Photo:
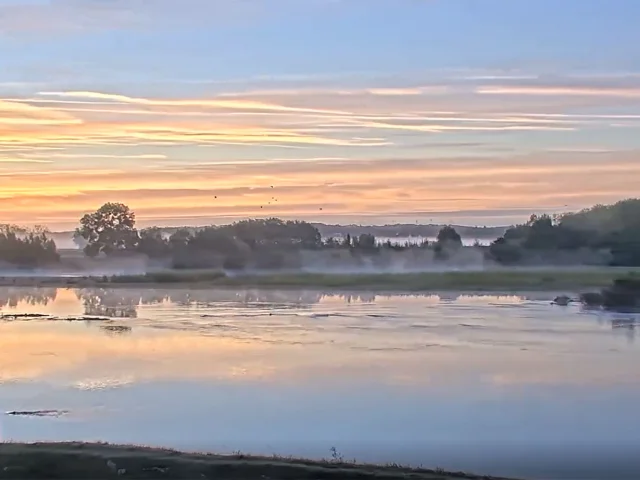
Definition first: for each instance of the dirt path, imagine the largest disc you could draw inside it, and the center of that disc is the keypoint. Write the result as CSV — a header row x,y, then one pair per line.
x,y
102,461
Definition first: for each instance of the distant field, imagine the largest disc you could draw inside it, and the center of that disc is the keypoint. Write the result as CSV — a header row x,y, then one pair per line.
x,y
102,461
503,280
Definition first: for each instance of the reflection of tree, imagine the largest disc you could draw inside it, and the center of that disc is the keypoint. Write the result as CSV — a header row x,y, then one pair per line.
x,y
10,297
360,297
115,302
274,298
102,302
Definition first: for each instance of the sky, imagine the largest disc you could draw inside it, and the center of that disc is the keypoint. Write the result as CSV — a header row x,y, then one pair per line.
x,y
193,112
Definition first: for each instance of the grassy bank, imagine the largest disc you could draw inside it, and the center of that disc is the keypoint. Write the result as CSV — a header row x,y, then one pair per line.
x,y
488,280
102,461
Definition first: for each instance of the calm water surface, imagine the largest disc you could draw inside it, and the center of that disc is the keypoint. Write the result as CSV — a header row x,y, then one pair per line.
x,y
507,385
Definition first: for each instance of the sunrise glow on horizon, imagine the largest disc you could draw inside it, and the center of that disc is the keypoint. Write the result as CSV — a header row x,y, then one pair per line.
x,y
344,111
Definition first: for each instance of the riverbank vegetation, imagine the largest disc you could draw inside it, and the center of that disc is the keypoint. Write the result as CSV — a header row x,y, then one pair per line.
x,y
602,235
599,236
103,461
623,294
504,280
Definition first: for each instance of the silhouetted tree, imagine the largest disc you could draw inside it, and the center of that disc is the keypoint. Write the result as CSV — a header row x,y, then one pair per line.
x,y
449,238
447,242
153,243
27,247
365,241
505,252
180,238
108,230
331,242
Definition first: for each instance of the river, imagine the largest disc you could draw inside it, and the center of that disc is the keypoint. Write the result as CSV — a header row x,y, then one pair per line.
x,y
503,385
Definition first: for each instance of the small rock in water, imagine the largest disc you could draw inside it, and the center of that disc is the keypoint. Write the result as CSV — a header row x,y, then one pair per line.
x,y
112,466
122,471
562,300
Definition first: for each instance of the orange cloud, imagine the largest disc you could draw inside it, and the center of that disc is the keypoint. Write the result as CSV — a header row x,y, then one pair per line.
x,y
556,90
23,114
225,104
376,149
338,187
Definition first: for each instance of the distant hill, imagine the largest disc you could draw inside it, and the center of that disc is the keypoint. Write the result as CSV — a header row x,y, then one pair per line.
x,y
408,230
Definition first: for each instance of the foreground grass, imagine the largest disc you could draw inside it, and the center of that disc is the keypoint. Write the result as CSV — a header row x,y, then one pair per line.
x,y
487,280
103,461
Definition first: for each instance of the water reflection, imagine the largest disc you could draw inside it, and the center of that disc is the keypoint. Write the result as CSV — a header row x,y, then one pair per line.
x,y
376,372
118,303
123,301
12,297
121,305
255,333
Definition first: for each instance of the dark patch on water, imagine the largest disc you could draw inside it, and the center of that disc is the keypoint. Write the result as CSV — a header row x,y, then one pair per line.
x,y
116,329
37,413
25,317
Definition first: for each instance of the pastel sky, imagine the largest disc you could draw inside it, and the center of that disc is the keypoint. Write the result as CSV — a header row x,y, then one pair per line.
x,y
367,111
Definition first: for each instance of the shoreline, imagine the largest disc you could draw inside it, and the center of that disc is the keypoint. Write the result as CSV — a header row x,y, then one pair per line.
x,y
31,461
509,280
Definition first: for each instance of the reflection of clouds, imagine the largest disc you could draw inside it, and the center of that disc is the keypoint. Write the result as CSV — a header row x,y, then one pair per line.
x,y
569,373
301,336
174,355
171,355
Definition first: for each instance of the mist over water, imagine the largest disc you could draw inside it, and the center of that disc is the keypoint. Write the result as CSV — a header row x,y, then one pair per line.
x,y
496,384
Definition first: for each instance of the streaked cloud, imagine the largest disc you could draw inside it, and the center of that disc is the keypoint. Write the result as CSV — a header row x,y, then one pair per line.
x,y
560,91
80,16
226,104
325,189
386,151
20,113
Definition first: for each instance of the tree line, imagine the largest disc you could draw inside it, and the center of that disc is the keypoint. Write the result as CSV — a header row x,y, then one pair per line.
x,y
603,234
258,243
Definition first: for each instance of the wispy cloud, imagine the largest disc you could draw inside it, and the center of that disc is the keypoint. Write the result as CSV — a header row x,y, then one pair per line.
x,y
218,103
19,113
78,16
589,91
22,160
388,150
86,156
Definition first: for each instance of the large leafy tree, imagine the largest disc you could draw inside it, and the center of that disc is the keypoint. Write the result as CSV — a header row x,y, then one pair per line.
x,y
448,237
108,230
